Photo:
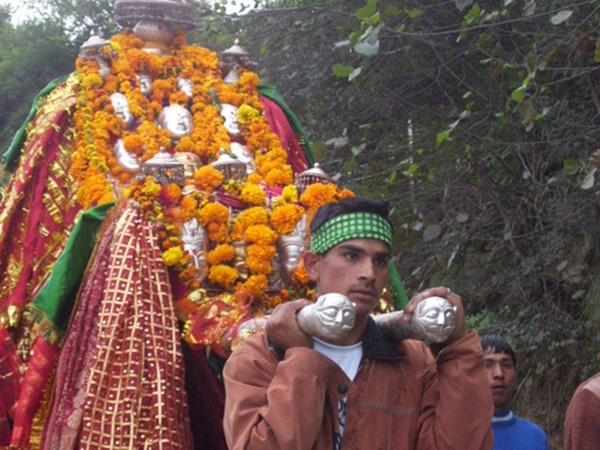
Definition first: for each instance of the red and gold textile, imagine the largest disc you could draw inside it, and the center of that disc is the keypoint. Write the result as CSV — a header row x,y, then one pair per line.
x,y
40,209
130,390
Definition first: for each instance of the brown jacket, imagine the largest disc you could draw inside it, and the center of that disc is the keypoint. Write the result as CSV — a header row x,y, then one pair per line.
x,y
582,423
401,399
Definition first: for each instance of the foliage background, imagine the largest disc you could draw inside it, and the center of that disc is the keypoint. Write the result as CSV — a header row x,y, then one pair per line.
x,y
479,121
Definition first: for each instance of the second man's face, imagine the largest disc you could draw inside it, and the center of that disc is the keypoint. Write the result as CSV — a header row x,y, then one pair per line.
x,y
502,375
356,268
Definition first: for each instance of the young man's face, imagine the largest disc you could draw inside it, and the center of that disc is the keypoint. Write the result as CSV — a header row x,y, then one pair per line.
x,y
502,375
355,268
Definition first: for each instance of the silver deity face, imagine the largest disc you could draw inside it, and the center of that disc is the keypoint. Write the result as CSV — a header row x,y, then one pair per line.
x,y
195,241
126,160
185,86
121,107
177,120
336,314
242,153
145,84
230,116
291,248
436,317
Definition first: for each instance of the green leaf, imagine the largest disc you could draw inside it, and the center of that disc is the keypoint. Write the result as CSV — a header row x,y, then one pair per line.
x,y
341,71
415,13
411,170
570,166
518,95
367,11
443,136
473,14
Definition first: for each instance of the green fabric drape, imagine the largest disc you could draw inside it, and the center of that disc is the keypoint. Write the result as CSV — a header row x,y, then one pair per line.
x,y
13,153
56,299
272,94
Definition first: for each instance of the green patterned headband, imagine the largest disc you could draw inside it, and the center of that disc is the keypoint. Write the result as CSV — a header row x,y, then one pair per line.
x,y
359,225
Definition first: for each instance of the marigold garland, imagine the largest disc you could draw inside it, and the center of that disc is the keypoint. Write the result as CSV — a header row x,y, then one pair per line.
x,y
258,228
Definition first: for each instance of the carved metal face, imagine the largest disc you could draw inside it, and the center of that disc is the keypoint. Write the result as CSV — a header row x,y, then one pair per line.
x,y
186,86
242,153
436,318
195,243
126,160
336,314
291,248
230,115
121,107
177,120
145,84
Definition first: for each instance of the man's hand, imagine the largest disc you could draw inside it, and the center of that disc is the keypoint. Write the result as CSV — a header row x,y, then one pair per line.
x,y
282,327
454,299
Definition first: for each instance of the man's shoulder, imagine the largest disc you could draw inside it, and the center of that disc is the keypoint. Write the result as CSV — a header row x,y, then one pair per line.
x,y
591,385
531,431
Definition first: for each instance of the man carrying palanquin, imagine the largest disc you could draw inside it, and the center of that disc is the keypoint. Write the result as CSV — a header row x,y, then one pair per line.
x,y
209,219
362,390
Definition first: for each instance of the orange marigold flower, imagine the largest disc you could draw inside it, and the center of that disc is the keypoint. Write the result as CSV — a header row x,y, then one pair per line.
x,y
253,194
207,178
213,213
221,254
223,275
171,193
319,194
134,143
249,81
188,208
284,218
260,234
301,275
280,177
256,286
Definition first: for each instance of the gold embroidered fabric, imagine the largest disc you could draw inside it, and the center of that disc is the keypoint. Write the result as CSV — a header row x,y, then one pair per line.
x,y
135,393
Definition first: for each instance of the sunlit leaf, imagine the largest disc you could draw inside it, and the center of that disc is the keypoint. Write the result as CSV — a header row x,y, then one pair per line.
x,y
356,72
518,95
341,71
473,14
415,13
368,10
589,180
561,16
443,136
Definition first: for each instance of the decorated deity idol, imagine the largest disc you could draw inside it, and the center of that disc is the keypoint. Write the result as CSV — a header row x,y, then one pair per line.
x,y
158,192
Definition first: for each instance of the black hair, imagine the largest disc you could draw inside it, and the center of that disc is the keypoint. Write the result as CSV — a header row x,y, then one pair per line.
x,y
347,206
498,344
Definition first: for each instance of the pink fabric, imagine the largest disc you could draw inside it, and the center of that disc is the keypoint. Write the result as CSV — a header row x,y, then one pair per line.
x,y
9,383
281,126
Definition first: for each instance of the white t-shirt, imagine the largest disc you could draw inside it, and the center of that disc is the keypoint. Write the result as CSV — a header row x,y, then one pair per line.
x,y
348,358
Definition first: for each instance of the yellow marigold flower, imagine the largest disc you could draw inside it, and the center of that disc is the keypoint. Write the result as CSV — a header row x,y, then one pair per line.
x,y
151,188
260,234
247,114
290,194
221,254
253,194
223,275
284,218
173,256
92,81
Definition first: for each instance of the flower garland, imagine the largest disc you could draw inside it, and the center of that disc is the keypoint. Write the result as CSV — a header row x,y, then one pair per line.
x,y
257,228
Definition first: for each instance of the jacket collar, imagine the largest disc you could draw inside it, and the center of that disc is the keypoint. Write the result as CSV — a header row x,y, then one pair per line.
x,y
377,345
